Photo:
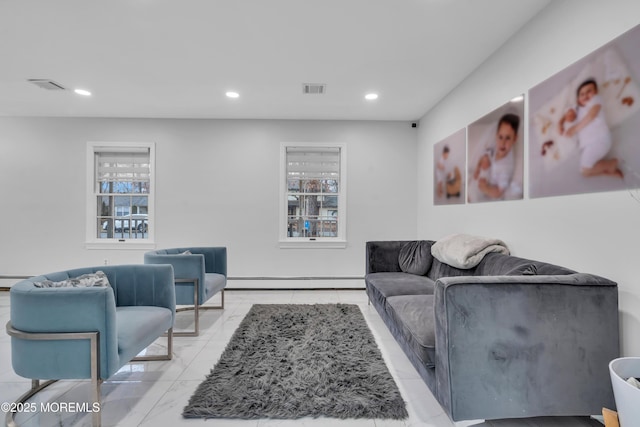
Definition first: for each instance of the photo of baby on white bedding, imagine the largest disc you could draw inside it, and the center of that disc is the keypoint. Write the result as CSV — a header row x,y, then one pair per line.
x,y
449,158
583,123
496,156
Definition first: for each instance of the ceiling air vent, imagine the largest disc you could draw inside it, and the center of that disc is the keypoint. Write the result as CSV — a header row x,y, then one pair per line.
x,y
46,84
314,88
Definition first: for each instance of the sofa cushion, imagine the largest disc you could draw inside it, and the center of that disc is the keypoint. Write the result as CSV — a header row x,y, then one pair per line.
x,y
414,314
391,284
415,257
380,286
440,269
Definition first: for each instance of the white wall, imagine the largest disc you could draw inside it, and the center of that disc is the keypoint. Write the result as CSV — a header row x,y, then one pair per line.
x,y
597,233
217,184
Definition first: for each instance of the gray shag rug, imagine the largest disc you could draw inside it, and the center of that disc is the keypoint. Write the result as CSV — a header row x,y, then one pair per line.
x,y
293,361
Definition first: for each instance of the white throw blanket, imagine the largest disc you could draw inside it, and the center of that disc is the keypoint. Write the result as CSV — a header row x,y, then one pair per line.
x,y
466,251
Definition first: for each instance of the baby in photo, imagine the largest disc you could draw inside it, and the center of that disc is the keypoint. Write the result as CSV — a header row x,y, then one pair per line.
x,y
588,122
496,166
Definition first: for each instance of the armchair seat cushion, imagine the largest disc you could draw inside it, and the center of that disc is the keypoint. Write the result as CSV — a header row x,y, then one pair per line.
x,y
213,283
139,326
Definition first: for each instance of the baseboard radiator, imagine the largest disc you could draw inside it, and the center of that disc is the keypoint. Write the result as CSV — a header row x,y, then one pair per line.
x,y
261,283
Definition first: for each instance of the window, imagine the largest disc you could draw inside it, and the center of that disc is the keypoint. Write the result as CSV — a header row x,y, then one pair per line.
x,y
120,196
313,207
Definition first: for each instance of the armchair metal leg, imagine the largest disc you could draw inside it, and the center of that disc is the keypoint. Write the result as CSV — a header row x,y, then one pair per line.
x,y
167,356
215,307
36,387
196,308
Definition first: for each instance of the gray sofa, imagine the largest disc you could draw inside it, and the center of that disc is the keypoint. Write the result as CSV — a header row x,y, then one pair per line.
x,y
508,338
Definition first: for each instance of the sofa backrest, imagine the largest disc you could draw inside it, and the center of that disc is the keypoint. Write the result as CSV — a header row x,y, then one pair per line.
x,y
215,257
440,269
382,256
496,264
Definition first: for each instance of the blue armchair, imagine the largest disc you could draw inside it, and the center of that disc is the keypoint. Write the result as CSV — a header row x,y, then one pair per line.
x,y
200,273
89,332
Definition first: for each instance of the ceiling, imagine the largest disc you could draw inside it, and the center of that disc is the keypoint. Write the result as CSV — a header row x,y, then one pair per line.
x,y
176,59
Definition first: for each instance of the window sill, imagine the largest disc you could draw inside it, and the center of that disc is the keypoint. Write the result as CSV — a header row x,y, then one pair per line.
x,y
126,244
312,244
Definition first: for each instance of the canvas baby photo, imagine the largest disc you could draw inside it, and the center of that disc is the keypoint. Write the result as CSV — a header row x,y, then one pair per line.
x,y
449,169
496,157
584,123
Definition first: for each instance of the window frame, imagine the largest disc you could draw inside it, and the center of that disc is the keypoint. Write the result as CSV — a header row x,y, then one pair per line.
x,y
338,242
92,241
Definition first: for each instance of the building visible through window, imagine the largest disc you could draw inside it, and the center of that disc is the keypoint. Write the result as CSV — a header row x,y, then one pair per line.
x,y
122,192
314,192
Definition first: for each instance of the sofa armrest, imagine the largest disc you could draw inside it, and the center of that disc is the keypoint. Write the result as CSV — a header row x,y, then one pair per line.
x,y
525,346
382,256
51,310
187,268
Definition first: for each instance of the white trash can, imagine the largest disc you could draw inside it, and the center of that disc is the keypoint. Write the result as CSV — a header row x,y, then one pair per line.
x,y
627,396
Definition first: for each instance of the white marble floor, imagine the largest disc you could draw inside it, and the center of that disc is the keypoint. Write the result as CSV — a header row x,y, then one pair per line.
x,y
154,393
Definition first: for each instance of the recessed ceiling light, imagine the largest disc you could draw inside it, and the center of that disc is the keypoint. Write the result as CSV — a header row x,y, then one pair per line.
x,y
232,94
371,96
82,92
518,98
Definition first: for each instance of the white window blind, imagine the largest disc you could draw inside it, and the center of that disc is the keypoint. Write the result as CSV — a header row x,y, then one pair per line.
x,y
123,168
313,163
